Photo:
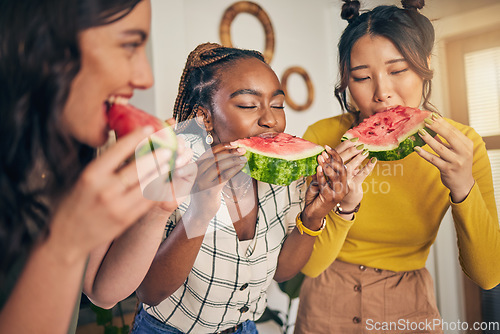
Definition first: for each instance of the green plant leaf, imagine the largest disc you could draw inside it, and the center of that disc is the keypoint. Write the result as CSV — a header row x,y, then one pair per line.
x,y
292,286
125,329
270,315
103,316
111,330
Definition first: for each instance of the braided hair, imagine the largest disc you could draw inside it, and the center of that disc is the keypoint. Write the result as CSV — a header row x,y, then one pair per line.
x,y
411,32
201,76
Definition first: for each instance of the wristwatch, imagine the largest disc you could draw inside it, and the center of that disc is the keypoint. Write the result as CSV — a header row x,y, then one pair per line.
x,y
302,229
338,209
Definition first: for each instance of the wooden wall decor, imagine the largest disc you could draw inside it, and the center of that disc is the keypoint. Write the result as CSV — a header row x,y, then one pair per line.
x,y
310,88
255,10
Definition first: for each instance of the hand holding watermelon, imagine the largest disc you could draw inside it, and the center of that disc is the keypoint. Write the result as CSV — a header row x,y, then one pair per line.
x,y
453,158
353,156
328,186
215,167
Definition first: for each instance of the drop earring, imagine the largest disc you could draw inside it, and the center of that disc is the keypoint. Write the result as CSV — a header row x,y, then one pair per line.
x,y
209,139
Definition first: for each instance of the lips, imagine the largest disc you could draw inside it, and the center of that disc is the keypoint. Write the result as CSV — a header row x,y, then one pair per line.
x,y
268,134
382,109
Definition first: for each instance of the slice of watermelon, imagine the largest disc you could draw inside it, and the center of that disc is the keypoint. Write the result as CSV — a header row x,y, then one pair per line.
x,y
392,134
124,118
279,158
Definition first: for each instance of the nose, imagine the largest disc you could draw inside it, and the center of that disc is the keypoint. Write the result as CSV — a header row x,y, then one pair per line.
x,y
267,119
383,90
142,75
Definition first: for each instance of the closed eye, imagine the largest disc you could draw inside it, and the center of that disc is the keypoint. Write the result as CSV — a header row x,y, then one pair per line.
x,y
278,107
247,107
360,79
400,71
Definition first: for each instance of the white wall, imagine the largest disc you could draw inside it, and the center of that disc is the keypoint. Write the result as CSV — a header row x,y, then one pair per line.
x,y
305,35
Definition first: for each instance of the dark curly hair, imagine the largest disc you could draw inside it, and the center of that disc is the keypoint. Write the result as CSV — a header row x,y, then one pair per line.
x,y
39,58
411,32
200,78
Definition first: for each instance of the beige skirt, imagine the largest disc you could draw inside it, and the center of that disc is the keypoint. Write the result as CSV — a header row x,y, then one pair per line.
x,y
348,298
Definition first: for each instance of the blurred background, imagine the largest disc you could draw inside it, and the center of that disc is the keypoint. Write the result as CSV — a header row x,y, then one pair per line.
x,y
466,88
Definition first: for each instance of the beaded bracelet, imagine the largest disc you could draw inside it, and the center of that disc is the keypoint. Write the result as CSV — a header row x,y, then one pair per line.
x,y
338,209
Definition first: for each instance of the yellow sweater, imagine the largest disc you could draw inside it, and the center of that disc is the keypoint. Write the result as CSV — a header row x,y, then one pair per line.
x,y
403,204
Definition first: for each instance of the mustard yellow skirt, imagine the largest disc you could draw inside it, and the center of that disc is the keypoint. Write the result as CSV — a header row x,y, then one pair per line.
x,y
348,298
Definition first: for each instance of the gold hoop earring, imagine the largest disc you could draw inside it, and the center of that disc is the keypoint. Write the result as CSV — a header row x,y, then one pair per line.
x,y
209,139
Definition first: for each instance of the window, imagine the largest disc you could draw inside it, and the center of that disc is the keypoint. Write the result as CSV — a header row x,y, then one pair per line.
x,y
474,84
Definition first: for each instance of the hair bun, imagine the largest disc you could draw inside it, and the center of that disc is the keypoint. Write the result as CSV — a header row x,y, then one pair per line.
x,y
350,10
413,4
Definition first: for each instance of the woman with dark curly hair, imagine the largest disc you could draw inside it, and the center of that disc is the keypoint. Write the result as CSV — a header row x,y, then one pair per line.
x,y
60,63
367,272
223,249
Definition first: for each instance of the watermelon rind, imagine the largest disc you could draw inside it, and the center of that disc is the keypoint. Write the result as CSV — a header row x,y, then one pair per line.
x,y
405,148
269,168
164,138
278,171
402,146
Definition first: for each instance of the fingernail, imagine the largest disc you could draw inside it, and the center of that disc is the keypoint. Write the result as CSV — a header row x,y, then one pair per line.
x,y
243,158
328,147
321,159
359,147
435,116
422,132
354,139
320,169
325,155
417,148
429,121
365,152
373,160
241,150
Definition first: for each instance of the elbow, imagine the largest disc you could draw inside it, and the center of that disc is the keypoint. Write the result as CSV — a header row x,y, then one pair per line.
x,y
488,284
105,304
151,299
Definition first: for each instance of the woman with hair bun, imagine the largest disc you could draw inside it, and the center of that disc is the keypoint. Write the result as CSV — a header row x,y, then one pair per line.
x,y
367,269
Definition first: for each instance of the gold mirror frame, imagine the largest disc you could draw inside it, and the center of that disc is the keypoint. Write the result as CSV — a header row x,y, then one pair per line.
x,y
255,10
310,88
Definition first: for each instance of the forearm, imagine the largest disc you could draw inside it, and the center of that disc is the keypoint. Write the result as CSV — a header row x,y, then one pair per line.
x,y
327,245
115,272
173,261
294,254
478,233
45,294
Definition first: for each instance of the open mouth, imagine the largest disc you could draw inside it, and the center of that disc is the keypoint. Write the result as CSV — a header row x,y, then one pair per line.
x,y
114,99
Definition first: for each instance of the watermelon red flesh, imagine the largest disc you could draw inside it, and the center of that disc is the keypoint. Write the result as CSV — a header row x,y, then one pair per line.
x,y
391,134
125,118
279,159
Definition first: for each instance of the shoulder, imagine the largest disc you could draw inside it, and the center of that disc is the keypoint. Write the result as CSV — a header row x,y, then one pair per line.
x,y
465,129
468,131
328,131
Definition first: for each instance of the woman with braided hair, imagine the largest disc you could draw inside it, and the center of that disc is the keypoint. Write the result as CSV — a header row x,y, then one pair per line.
x,y
224,247
367,272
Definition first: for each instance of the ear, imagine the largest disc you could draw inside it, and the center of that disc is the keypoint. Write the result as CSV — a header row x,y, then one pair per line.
x,y
429,62
204,118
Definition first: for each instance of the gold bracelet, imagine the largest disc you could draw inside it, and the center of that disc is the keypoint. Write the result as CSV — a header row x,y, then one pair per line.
x,y
302,229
